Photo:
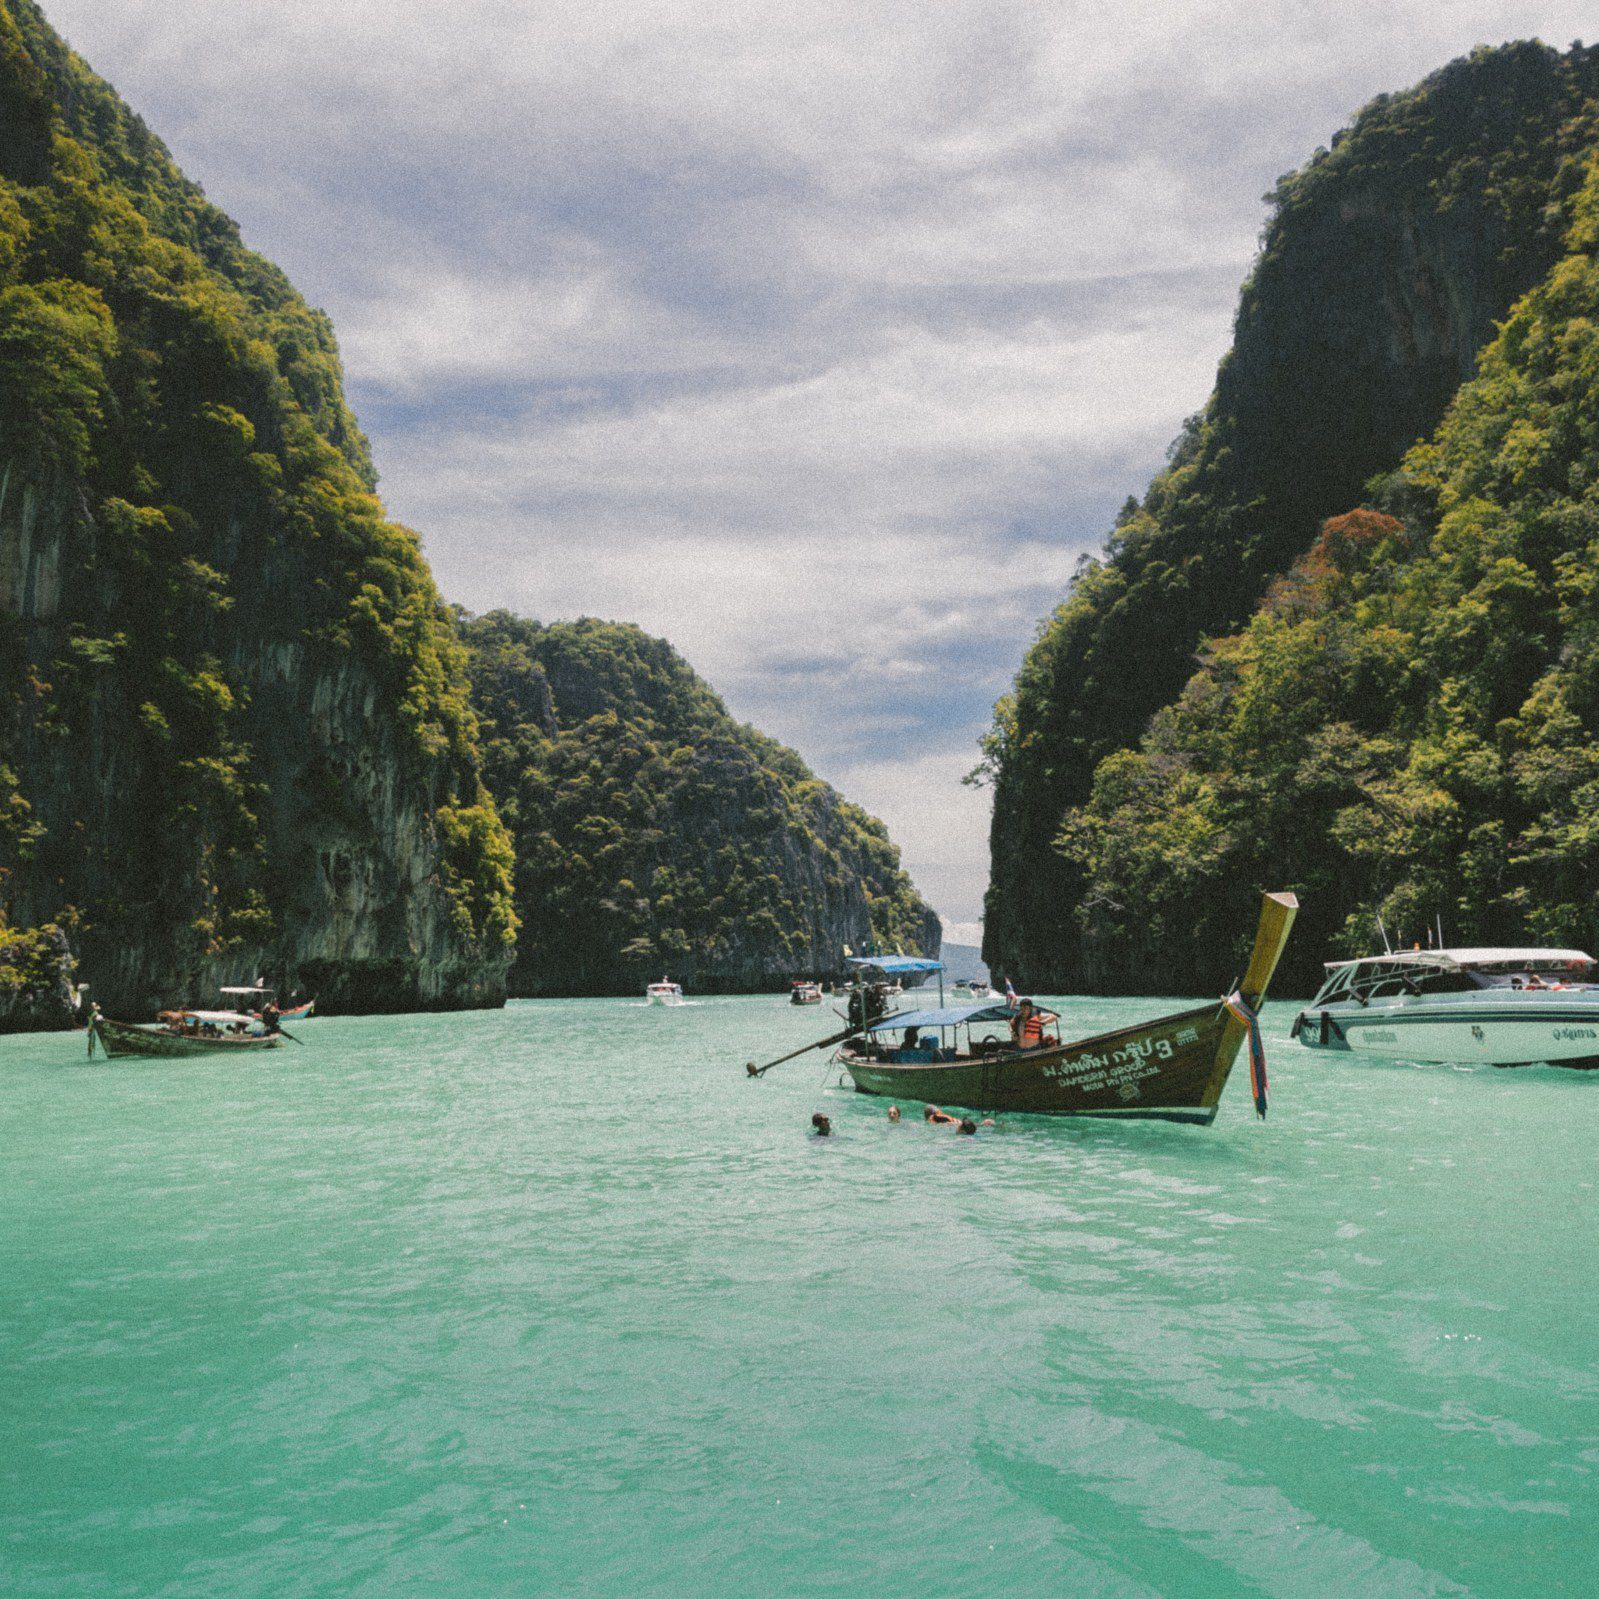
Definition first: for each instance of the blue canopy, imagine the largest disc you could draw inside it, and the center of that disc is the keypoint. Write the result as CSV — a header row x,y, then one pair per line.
x,y
949,1016
895,963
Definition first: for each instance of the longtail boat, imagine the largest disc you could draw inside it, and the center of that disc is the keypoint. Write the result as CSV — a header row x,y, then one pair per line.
x,y
261,993
184,1034
1171,1069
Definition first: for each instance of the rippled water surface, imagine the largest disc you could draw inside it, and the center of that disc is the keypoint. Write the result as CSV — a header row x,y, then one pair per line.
x,y
556,1301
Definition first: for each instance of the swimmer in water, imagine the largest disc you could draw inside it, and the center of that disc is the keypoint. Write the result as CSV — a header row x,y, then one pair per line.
x,y
893,1113
967,1125
938,1118
822,1126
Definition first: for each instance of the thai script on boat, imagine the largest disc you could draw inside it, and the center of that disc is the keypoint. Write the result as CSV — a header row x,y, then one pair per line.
x,y
1120,1069
1576,1032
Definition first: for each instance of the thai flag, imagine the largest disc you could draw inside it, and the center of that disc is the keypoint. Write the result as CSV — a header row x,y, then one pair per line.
x,y
1010,993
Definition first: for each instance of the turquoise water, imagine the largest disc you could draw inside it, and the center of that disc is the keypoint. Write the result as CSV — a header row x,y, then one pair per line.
x,y
556,1301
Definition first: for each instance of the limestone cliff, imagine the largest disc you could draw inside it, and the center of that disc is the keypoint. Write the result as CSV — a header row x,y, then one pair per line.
x,y
1386,264
656,834
234,732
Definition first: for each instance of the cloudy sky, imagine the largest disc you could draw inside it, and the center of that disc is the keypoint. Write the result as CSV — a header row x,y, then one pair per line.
x,y
819,338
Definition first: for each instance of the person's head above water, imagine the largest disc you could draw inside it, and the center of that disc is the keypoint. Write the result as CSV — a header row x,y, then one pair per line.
x,y
967,1125
893,1113
823,1126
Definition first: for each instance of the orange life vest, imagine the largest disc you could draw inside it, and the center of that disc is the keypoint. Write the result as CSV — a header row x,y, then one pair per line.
x,y
1032,1030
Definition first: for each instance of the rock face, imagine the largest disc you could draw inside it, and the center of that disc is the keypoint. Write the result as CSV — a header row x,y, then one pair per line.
x,y
1406,727
654,834
37,993
234,734
1386,265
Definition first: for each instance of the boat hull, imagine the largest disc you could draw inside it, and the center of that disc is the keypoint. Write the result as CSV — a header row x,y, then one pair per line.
x,y
124,1038
1551,1028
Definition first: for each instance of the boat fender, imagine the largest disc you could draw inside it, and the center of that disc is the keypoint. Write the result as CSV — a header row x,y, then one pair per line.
x,y
1330,1033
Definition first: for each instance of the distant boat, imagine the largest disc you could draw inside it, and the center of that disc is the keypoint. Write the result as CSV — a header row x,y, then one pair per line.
x,y
664,992
802,993
1496,1007
261,993
1170,1069
977,988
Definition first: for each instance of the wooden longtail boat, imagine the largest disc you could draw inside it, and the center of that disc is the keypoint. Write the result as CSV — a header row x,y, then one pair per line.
x,y
1171,1069
128,1038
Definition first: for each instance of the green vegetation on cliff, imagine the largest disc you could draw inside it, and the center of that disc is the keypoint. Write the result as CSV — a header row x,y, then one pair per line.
x,y
227,684
1408,722
1385,266
655,833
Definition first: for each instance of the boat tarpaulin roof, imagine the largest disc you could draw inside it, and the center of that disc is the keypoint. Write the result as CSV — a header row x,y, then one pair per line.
x,y
218,1015
949,1016
257,989
1470,957
895,963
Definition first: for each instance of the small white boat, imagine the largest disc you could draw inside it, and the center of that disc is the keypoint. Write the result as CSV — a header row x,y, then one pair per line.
x,y
1495,1007
803,993
664,992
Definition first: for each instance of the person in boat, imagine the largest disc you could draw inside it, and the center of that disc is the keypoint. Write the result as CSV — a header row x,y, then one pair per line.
x,y
269,1017
821,1125
1027,1026
913,1049
866,1004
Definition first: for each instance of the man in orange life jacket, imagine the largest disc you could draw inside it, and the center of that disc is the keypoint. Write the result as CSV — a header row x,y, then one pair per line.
x,y
1027,1026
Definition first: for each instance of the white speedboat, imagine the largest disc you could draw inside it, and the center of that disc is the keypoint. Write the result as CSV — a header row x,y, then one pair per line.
x,y
1496,1007
978,989
664,992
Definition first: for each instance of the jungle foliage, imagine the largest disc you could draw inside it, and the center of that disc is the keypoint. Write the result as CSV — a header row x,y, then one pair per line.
x,y
1384,266
1407,725
655,833
172,418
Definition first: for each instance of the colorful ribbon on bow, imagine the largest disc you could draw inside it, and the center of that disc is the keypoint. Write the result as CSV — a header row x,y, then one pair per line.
x,y
1242,1010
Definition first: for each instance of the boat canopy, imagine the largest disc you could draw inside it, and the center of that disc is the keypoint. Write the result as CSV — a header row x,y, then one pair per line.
x,y
258,988
948,1016
894,964
229,1016
1470,957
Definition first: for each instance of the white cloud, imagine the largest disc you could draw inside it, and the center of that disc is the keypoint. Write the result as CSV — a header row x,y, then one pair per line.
x,y
818,338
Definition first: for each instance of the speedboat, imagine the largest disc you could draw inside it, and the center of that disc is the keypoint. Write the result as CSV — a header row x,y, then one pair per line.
x,y
803,993
664,992
1497,1007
